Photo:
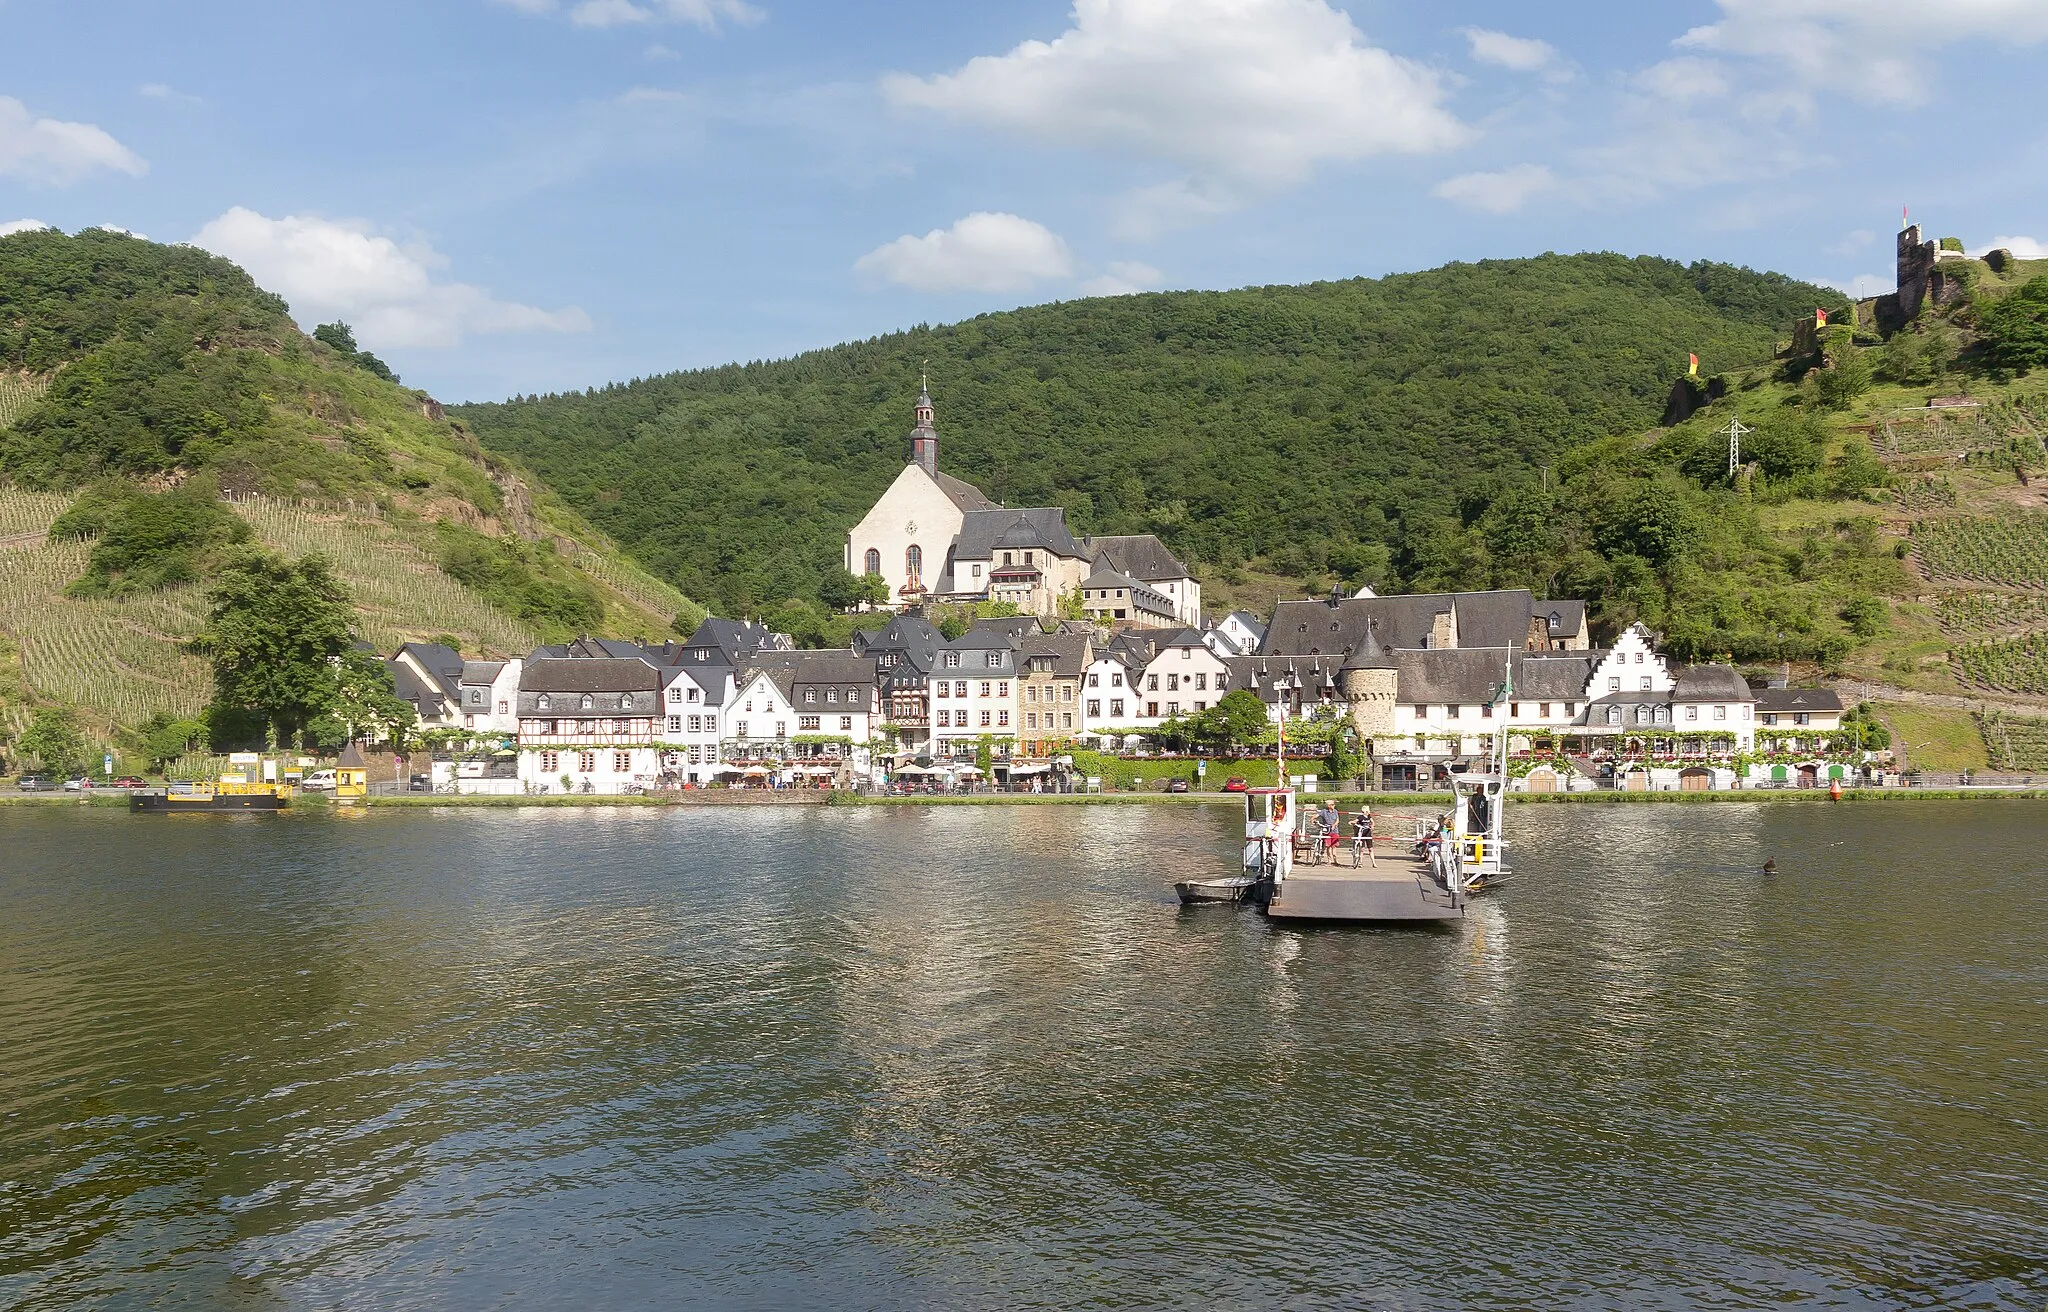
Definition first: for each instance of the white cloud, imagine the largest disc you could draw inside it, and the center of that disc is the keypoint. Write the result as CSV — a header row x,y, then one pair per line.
x,y
1852,242
1123,278
162,91
1520,53
22,225
1683,80
2022,248
707,14
1502,192
343,268
1871,49
50,152
1249,95
981,253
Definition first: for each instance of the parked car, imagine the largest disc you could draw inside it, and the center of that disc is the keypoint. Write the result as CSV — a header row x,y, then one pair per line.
x,y
423,783
1179,786
319,781
36,783
81,784
130,781
1235,784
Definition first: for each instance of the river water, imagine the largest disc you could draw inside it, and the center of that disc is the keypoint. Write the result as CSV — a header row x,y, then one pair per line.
x,y
976,1057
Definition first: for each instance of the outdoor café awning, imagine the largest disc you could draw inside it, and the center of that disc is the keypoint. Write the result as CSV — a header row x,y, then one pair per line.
x,y
915,770
1028,769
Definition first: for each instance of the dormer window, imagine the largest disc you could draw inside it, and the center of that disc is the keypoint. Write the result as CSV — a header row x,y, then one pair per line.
x,y
588,703
543,703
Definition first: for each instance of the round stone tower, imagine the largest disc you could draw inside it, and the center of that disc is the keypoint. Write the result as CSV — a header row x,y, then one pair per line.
x,y
1369,683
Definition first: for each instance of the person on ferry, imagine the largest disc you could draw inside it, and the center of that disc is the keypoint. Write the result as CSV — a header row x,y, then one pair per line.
x,y
1361,836
1329,825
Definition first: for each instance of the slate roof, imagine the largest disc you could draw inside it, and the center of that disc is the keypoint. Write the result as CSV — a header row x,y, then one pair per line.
x,y
1140,555
1571,616
1042,527
1784,701
911,636
410,687
1484,619
1712,683
1558,678
1260,673
731,640
443,664
1070,653
482,671
962,494
589,674
1463,676
794,672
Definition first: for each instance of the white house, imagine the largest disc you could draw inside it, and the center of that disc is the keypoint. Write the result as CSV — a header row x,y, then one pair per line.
x,y
1237,634
974,692
488,696
587,724
694,698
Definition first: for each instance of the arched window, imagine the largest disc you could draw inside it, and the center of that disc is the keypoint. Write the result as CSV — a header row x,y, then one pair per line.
x,y
874,561
913,562
1614,715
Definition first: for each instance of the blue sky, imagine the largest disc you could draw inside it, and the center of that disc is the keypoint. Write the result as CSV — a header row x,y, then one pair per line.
x,y
510,196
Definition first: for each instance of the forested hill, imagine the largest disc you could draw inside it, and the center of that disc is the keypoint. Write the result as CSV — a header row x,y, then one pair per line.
x,y
159,411
1323,429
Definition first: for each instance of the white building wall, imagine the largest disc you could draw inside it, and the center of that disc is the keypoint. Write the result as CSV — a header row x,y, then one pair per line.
x,y
915,510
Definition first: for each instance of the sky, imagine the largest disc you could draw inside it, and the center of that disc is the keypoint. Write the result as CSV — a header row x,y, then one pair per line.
x,y
523,196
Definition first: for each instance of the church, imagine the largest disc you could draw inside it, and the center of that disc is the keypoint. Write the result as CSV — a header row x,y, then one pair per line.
x,y
935,537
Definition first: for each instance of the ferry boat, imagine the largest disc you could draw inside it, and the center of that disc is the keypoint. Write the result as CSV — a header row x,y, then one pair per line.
x,y
1453,858
234,790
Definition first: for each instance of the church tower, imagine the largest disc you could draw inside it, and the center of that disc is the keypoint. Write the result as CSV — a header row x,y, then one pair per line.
x,y
924,439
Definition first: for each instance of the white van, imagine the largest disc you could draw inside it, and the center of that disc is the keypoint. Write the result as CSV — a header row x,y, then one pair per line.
x,y
320,781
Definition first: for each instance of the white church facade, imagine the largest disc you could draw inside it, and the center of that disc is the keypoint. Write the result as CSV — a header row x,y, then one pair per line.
x,y
934,537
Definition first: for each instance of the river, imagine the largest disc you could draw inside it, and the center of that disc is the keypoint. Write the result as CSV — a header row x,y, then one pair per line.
x,y
976,1057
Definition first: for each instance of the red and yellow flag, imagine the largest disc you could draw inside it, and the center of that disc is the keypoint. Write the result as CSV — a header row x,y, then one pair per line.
x,y
1820,317
1694,370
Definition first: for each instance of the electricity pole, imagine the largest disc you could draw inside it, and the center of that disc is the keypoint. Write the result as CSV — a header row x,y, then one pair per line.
x,y
1735,432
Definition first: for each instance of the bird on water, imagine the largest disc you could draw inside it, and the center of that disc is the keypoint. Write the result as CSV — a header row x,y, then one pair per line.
x,y
1770,865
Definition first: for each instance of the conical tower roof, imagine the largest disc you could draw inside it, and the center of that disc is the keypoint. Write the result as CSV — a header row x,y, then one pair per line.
x,y
1368,654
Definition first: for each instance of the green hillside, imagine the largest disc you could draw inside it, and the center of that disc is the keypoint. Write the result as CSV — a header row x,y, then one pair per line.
x,y
1390,431
157,408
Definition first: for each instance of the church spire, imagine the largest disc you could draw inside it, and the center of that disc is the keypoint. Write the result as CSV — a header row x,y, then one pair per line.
x,y
924,439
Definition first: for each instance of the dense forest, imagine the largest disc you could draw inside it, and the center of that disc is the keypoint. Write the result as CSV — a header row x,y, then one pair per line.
x,y
1355,431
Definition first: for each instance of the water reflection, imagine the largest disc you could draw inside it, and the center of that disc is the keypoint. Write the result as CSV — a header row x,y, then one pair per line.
x,y
980,1057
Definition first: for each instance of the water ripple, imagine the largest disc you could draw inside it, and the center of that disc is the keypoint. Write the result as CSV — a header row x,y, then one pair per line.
x,y
977,1057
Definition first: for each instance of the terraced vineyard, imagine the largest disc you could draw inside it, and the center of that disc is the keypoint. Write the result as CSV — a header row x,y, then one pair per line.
x,y
1982,614
400,592
1924,494
2018,665
17,393
123,659
2016,742
2010,549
